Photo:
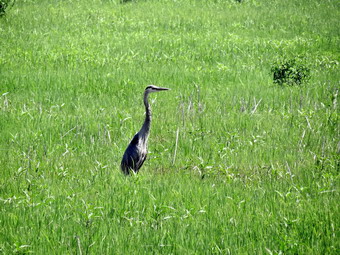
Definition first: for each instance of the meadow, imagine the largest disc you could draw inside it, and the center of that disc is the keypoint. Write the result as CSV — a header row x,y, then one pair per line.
x,y
236,164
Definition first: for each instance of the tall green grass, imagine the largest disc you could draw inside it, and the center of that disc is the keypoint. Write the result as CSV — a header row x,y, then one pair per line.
x,y
237,164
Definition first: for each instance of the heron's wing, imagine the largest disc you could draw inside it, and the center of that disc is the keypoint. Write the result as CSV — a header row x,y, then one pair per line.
x,y
134,155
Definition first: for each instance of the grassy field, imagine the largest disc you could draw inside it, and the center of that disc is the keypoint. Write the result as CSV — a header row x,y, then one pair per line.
x,y
236,165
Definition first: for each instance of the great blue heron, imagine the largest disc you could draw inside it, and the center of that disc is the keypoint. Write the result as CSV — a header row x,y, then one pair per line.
x,y
135,154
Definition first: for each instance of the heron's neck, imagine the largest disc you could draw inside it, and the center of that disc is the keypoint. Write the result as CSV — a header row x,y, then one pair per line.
x,y
145,130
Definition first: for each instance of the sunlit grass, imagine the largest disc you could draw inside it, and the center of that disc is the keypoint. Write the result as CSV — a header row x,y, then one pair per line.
x,y
237,164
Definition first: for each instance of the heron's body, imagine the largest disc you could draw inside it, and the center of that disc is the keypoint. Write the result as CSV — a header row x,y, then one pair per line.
x,y
135,154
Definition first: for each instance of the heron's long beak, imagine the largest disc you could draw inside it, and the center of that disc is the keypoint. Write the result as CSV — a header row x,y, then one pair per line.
x,y
160,89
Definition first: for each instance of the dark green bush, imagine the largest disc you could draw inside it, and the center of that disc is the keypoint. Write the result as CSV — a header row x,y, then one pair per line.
x,y
4,4
290,72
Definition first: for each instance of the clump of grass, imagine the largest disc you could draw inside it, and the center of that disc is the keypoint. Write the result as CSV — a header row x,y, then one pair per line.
x,y
4,4
290,72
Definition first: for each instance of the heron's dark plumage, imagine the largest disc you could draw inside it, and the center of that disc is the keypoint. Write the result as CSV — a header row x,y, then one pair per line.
x,y
134,156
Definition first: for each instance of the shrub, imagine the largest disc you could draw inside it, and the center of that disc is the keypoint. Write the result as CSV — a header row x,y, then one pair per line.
x,y
290,72
4,4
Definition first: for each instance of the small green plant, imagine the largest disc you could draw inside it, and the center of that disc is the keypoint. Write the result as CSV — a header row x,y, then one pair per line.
x,y
290,72
4,4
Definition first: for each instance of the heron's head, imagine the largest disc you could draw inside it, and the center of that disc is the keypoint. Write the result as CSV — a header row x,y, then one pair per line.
x,y
153,88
